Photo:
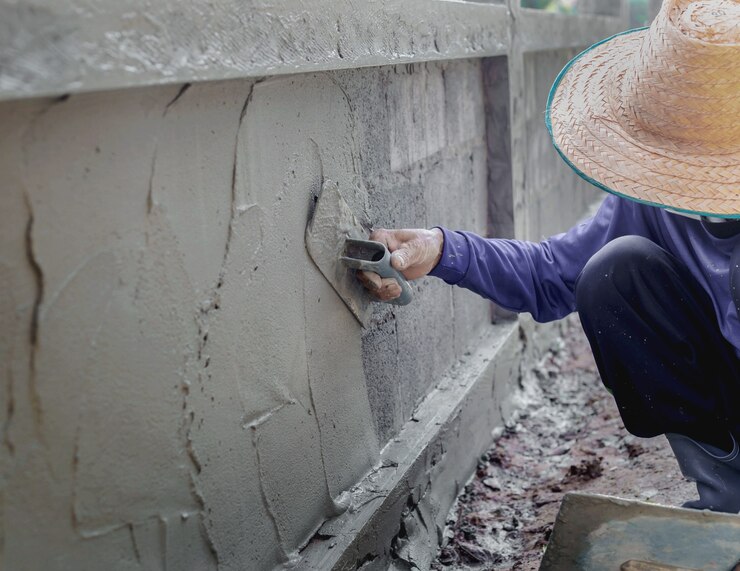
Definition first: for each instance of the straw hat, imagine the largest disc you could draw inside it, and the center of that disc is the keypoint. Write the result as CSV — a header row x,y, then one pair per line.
x,y
654,114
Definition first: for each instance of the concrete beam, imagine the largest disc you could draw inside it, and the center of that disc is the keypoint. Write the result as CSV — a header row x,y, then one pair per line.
x,y
53,48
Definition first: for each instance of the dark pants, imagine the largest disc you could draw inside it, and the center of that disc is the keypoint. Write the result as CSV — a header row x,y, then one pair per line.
x,y
657,344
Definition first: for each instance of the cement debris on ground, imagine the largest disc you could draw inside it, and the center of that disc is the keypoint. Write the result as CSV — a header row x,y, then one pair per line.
x,y
568,436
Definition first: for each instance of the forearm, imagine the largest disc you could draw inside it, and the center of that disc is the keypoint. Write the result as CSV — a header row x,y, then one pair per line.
x,y
539,278
517,275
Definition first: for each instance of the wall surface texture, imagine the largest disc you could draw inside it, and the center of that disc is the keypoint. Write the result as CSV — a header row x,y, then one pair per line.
x,y
181,388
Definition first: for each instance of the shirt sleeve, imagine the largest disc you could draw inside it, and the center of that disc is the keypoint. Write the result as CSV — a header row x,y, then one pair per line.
x,y
538,278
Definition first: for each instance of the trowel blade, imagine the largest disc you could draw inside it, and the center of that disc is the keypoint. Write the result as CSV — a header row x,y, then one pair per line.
x,y
331,224
594,533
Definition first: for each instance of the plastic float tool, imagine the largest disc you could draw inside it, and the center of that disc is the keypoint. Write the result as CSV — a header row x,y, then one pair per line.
x,y
337,242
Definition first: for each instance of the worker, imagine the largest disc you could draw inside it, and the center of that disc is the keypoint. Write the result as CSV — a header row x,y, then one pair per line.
x,y
652,116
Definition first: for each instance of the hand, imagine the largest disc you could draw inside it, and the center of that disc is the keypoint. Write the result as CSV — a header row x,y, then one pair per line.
x,y
414,253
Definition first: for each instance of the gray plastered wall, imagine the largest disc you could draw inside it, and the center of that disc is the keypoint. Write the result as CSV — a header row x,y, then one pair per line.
x,y
181,388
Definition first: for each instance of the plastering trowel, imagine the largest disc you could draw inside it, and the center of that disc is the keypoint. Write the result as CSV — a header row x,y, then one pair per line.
x,y
338,245
601,533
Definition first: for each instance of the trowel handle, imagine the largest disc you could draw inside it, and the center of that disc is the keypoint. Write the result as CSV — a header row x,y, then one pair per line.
x,y
372,256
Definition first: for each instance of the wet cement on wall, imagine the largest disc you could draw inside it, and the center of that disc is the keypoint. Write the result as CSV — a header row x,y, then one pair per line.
x,y
181,388
435,149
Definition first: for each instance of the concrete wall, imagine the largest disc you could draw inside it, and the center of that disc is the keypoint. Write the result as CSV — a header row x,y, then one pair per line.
x,y
181,387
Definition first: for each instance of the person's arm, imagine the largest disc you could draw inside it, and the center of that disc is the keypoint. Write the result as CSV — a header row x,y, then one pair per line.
x,y
538,278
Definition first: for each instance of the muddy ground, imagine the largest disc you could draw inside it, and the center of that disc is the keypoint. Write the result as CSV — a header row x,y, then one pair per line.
x,y
568,437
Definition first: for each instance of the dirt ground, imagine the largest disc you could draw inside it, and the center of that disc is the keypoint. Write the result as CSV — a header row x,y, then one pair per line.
x,y
567,437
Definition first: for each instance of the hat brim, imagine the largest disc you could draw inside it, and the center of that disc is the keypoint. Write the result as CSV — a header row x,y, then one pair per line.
x,y
591,133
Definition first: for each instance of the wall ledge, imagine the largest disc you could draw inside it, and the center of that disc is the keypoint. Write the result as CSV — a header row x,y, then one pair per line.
x,y
399,509
50,48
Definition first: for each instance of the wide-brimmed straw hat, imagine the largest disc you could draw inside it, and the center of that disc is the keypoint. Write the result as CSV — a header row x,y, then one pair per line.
x,y
654,114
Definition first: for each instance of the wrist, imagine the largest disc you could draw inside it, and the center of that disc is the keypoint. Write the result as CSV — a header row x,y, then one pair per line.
x,y
439,242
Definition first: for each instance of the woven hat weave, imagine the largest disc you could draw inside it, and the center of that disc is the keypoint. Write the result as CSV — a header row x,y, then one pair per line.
x,y
653,114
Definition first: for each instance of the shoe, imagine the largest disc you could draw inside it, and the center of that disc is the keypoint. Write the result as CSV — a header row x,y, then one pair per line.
x,y
716,473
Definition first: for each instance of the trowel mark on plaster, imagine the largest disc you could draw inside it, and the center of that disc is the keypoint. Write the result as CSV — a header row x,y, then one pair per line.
x,y
234,208
156,220
339,505
212,302
269,508
255,422
195,490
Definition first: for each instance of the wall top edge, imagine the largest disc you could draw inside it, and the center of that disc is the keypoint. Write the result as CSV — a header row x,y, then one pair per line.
x,y
50,48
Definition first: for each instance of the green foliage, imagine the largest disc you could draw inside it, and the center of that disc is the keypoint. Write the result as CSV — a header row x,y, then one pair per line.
x,y
538,4
562,6
639,13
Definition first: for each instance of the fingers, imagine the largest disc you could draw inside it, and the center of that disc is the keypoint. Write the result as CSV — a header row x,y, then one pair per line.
x,y
385,289
414,251
394,239
389,289
370,280
404,245
387,237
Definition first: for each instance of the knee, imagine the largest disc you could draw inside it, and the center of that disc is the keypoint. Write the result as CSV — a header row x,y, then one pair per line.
x,y
615,269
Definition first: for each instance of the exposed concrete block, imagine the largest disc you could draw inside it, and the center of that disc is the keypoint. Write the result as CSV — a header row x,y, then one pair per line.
x,y
463,95
556,196
472,315
425,341
416,103
496,90
380,363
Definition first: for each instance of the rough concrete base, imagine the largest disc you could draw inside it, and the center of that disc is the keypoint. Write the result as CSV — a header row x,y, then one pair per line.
x,y
399,509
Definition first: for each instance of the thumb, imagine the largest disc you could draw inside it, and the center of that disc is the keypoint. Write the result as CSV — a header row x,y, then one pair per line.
x,y
401,258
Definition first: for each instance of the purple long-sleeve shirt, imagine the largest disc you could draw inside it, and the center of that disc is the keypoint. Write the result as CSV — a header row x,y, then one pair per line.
x,y
540,278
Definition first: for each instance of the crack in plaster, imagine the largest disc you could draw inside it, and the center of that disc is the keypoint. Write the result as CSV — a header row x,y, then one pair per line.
x,y
73,478
9,409
134,544
180,93
150,190
195,490
38,275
